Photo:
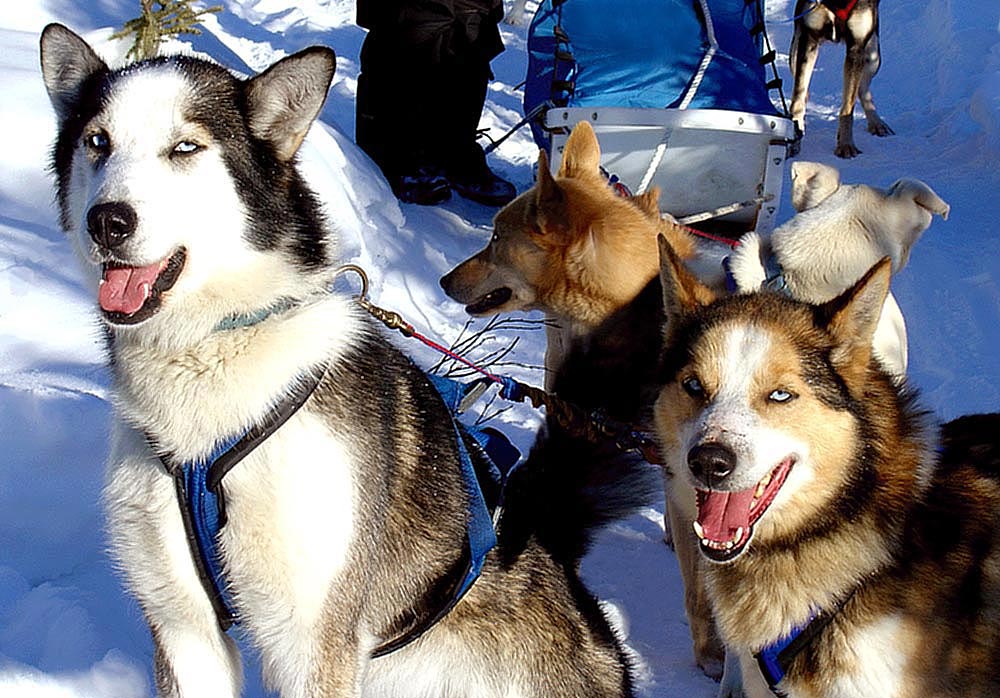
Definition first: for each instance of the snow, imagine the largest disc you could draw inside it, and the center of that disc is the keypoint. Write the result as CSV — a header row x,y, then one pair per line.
x,y
66,628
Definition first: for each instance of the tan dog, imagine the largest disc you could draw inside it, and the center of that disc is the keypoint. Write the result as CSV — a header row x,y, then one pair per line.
x,y
570,247
840,232
588,258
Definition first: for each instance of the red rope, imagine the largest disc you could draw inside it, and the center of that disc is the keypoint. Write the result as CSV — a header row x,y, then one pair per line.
x,y
452,355
708,236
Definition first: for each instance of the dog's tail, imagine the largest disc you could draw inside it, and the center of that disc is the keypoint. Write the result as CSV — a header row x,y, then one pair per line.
x,y
568,489
746,263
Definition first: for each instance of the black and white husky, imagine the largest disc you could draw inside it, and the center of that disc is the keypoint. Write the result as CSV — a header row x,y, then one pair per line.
x,y
211,264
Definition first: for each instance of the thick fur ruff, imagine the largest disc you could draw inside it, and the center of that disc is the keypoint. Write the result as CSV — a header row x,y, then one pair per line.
x,y
211,262
841,230
843,496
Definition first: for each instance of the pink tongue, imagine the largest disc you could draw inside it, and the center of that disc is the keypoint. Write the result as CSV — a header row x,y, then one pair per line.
x,y
720,514
125,289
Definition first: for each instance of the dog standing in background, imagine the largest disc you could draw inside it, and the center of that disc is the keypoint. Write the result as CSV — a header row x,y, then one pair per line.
x,y
855,22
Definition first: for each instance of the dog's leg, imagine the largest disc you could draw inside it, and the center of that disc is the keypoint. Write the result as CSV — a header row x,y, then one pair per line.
x,y
193,657
873,61
709,652
857,36
731,685
853,65
801,60
189,662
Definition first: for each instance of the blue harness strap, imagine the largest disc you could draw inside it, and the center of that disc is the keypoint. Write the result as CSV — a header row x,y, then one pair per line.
x,y
201,499
482,536
203,514
496,458
198,485
775,659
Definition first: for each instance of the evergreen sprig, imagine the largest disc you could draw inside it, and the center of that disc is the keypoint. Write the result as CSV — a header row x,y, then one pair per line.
x,y
161,19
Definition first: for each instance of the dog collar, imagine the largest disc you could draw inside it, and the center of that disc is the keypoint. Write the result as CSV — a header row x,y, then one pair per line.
x,y
249,319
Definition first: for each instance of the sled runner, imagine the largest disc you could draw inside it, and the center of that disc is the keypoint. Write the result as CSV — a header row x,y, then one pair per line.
x,y
677,93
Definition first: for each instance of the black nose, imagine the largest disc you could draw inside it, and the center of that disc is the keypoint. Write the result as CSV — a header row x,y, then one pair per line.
x,y
711,463
111,224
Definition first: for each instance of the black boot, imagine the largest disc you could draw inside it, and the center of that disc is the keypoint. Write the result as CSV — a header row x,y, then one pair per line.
x,y
471,177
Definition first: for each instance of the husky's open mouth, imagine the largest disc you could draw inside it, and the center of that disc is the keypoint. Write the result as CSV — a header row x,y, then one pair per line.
x,y
725,519
493,299
128,295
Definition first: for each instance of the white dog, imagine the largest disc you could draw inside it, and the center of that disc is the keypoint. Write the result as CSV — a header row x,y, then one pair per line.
x,y
840,232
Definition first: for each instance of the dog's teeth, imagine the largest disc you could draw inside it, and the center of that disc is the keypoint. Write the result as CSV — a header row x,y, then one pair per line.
x,y
698,530
761,487
738,537
766,480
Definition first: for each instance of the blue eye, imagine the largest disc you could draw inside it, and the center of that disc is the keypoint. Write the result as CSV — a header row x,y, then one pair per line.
x,y
186,148
780,395
98,141
693,387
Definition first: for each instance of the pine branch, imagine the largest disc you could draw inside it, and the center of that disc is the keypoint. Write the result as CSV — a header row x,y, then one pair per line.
x,y
154,25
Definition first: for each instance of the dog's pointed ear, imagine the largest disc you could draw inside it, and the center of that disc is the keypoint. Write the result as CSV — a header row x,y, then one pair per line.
x,y
285,99
582,153
682,291
67,62
851,318
547,190
812,183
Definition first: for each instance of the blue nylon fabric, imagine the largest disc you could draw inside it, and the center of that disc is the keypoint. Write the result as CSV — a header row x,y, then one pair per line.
x,y
482,536
645,54
203,505
767,658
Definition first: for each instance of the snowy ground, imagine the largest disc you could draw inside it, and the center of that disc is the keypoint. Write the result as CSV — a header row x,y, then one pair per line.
x,y
65,627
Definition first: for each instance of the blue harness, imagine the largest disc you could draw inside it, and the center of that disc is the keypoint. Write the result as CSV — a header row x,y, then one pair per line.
x,y
775,659
199,493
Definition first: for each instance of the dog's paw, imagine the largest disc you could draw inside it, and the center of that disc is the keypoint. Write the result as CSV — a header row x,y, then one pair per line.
x,y
846,151
879,128
712,668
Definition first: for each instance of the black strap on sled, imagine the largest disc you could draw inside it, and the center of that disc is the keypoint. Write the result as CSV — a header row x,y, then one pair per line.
x,y
767,59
